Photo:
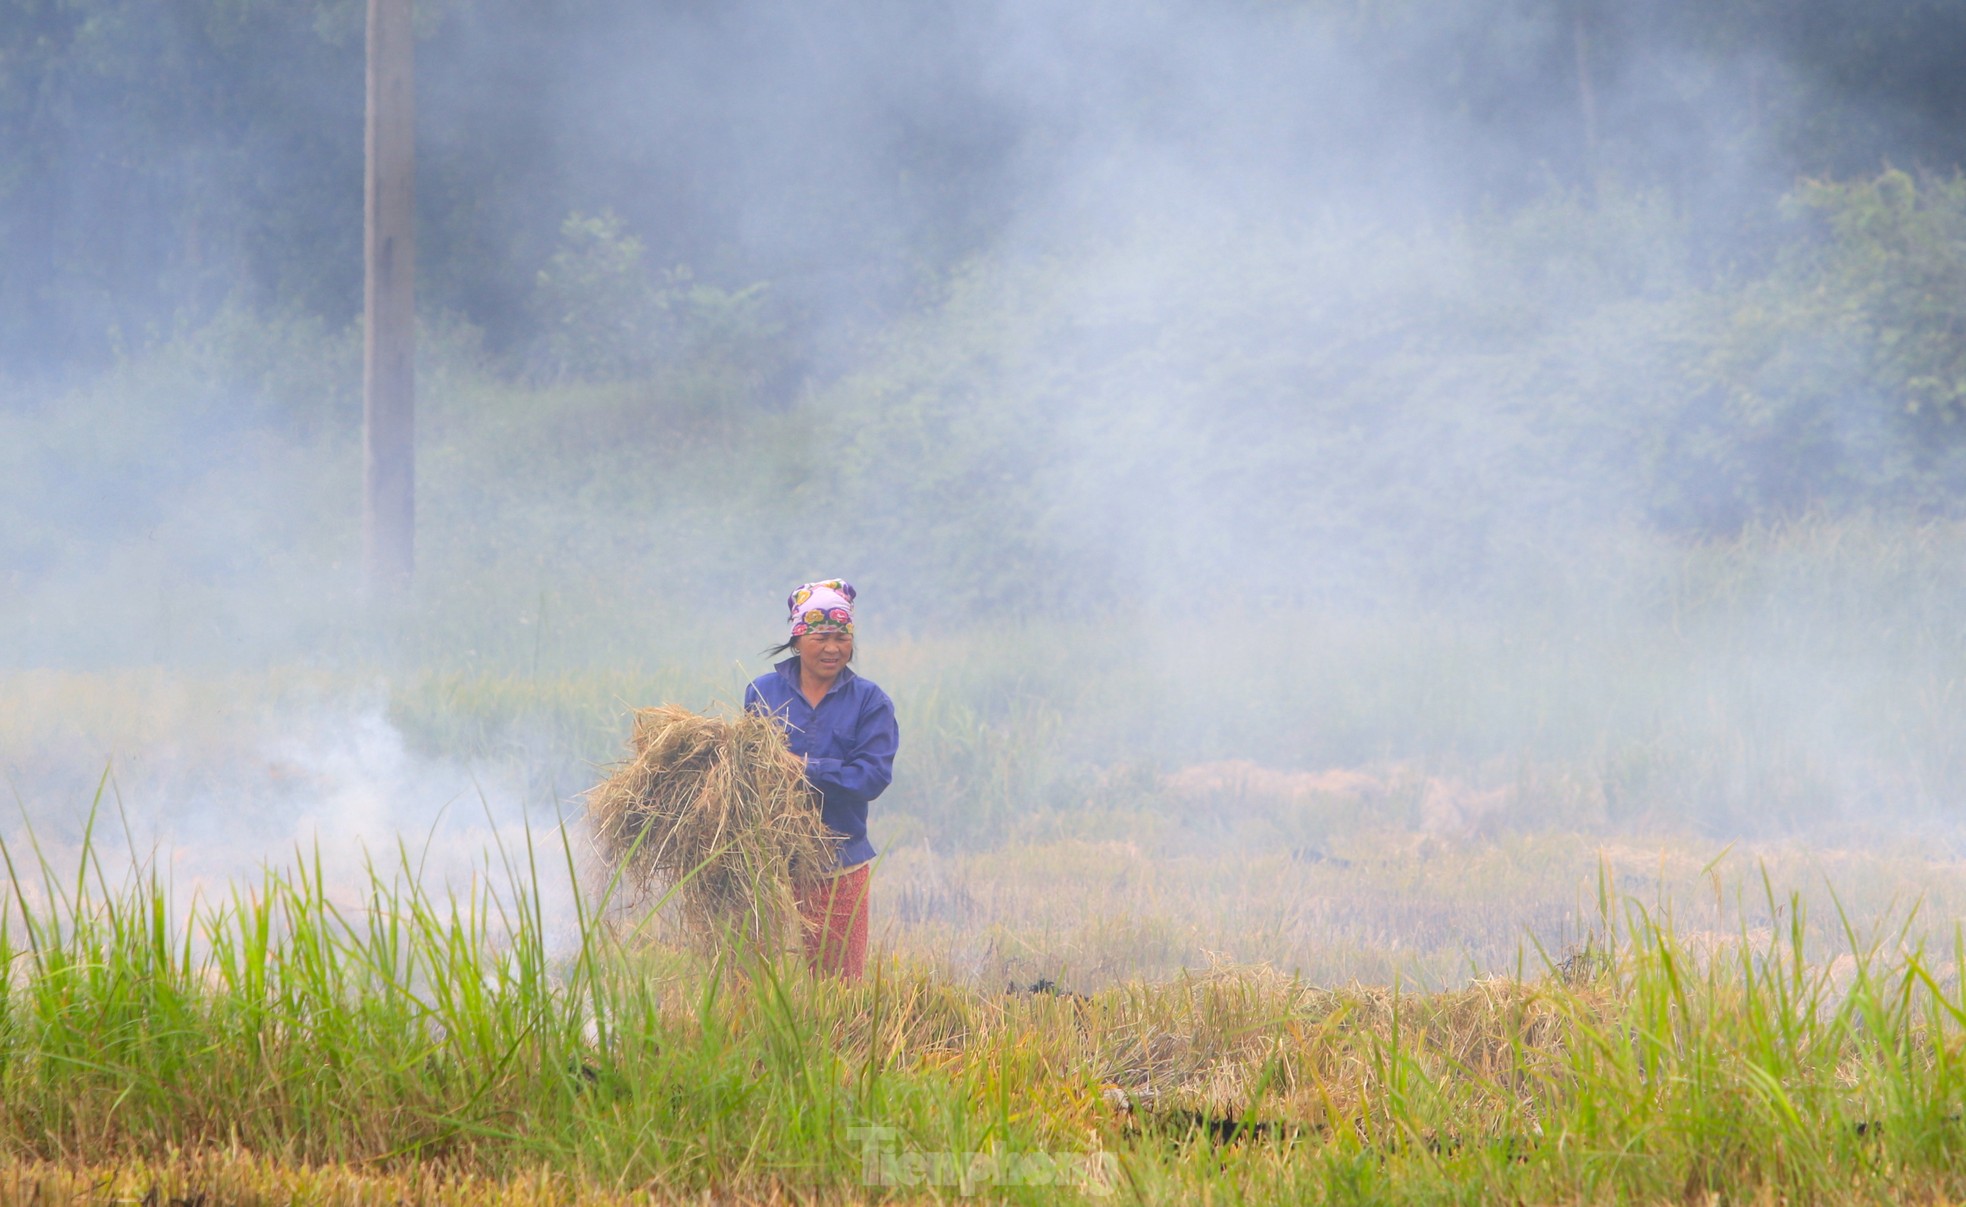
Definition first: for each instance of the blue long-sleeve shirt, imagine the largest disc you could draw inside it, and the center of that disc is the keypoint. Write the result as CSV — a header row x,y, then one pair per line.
x,y
848,742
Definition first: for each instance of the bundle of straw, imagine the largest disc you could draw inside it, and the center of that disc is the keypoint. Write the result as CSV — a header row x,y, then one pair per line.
x,y
718,810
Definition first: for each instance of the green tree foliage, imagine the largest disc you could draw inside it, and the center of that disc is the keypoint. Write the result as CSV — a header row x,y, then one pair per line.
x,y
1897,254
160,160
1837,380
1405,401
605,317
600,313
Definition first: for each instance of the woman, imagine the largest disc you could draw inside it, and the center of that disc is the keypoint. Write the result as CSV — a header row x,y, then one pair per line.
x,y
843,727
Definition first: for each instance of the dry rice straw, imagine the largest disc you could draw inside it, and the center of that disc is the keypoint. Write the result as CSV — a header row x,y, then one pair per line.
x,y
717,810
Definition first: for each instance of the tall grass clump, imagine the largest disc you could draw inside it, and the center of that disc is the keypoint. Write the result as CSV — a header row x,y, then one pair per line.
x,y
398,1027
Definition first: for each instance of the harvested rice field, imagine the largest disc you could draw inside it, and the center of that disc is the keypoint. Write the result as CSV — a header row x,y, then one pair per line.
x,y
276,1047
1097,1041
1256,986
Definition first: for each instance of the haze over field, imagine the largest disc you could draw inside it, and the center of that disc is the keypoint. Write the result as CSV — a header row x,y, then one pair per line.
x,y
1558,400
1418,548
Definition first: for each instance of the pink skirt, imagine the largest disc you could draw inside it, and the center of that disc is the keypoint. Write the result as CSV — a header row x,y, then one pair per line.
x,y
835,914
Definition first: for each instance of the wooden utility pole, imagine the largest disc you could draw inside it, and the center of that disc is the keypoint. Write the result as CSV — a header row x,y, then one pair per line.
x,y
389,303
1586,89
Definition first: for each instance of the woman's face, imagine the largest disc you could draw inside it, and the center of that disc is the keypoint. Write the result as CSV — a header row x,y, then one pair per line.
x,y
824,651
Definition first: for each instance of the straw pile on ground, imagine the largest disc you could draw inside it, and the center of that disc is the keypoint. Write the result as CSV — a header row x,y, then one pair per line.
x,y
718,811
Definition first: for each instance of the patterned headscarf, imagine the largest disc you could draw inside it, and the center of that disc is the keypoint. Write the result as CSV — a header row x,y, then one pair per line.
x,y
821,605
